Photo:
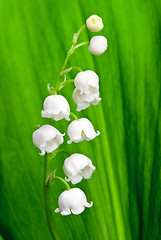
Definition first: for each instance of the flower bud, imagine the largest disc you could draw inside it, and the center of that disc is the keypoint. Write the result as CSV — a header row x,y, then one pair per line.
x,y
47,139
81,129
73,200
98,45
94,23
83,100
87,81
56,107
76,167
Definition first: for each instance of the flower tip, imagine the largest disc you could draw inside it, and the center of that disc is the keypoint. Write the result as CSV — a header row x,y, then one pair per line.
x,y
89,204
98,133
78,109
67,179
42,153
69,141
57,210
93,167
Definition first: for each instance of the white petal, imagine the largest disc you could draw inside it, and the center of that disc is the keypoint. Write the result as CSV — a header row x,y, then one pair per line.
x,y
78,210
76,179
51,146
46,114
65,212
87,172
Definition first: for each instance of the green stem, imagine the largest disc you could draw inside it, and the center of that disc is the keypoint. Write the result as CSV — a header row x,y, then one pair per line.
x,y
60,151
46,189
46,198
70,69
76,35
63,181
61,85
70,52
81,44
74,116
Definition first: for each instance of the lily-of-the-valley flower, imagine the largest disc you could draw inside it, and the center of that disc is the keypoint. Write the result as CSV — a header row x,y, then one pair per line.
x,y
87,81
78,166
72,201
94,23
56,107
47,139
81,129
83,100
98,45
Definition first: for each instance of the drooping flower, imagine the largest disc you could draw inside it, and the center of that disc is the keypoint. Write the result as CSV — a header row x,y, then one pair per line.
x,y
83,100
81,129
72,201
98,45
87,81
56,107
94,23
78,166
47,139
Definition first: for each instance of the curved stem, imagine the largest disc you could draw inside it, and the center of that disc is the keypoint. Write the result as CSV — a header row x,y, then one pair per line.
x,y
76,35
59,151
46,199
63,181
74,116
81,44
65,83
70,69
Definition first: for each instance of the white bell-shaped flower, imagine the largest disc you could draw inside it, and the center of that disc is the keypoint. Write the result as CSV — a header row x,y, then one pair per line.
x,y
87,81
83,100
98,45
56,107
81,129
94,23
47,139
76,167
73,200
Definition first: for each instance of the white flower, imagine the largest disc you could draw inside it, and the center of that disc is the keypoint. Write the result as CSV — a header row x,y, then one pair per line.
x,y
56,107
98,45
73,200
87,81
81,129
83,100
47,139
78,166
94,23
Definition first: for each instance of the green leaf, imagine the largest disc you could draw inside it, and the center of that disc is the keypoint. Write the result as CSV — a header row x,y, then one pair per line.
x,y
126,185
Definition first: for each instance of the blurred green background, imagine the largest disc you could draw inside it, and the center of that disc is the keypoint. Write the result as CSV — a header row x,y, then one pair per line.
x,y
126,186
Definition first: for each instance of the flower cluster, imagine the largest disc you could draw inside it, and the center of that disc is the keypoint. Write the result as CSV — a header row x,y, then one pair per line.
x,y
56,107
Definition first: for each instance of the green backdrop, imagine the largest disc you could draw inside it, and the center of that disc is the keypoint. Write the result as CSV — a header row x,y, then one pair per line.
x,y
126,186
